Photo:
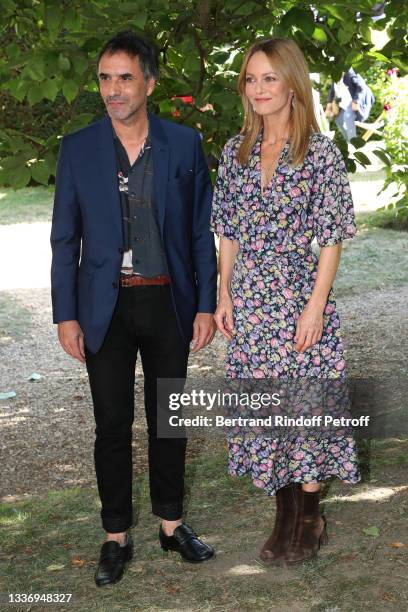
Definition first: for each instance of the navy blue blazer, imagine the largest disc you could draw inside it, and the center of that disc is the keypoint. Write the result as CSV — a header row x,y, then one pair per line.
x,y
87,236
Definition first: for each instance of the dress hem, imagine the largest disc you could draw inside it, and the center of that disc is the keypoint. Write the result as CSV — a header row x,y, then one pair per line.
x,y
272,491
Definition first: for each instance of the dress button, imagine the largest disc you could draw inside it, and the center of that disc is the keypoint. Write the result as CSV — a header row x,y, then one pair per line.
x,y
115,285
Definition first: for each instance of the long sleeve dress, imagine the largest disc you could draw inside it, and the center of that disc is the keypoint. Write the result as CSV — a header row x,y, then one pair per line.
x,y
272,280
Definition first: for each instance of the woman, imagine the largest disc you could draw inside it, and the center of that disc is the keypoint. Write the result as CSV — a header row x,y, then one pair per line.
x,y
280,183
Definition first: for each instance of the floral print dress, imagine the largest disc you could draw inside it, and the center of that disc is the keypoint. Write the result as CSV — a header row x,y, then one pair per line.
x,y
272,280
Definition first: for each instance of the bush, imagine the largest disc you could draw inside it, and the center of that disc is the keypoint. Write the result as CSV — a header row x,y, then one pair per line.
x,y
396,139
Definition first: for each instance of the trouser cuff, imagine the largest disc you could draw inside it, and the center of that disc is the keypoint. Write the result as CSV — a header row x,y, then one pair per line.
x,y
116,525
169,512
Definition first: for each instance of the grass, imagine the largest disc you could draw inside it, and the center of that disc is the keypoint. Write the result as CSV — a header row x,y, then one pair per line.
x,y
28,205
62,529
376,259
385,219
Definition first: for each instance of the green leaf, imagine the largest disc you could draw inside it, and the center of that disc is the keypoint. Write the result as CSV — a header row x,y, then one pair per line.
x,y
358,142
70,90
53,141
51,162
18,88
225,100
365,29
53,18
80,63
12,49
92,44
165,106
8,5
379,56
382,155
353,57
35,69
12,162
50,89
17,137
319,34
344,36
72,19
20,177
63,63
372,531
139,20
300,19
220,57
35,94
362,158
246,9
40,172
335,11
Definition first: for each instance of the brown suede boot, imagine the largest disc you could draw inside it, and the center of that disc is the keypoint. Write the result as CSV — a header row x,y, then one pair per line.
x,y
310,529
274,549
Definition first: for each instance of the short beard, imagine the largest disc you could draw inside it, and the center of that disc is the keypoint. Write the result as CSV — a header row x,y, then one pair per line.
x,y
130,116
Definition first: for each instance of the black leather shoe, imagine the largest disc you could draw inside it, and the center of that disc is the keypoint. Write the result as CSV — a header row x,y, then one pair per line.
x,y
186,542
112,561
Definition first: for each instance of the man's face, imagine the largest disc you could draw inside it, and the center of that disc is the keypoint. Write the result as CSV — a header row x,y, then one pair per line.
x,y
122,85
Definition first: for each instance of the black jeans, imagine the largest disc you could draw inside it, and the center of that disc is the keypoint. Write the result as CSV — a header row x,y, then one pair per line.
x,y
144,320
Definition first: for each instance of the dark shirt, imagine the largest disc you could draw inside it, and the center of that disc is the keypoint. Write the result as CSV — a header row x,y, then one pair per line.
x,y
141,231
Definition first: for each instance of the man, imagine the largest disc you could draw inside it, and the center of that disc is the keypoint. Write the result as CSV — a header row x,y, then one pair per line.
x,y
132,201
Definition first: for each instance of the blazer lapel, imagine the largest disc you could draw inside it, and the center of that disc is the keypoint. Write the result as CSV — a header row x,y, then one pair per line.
x,y
161,157
109,178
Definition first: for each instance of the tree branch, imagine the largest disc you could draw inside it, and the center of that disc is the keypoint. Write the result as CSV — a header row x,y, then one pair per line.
x,y
202,53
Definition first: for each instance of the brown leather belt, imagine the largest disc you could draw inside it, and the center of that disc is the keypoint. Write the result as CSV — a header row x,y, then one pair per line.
x,y
135,281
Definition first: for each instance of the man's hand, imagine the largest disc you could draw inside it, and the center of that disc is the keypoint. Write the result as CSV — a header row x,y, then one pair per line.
x,y
71,339
204,330
309,328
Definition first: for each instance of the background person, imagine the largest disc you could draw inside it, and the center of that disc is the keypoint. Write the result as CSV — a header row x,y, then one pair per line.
x,y
349,100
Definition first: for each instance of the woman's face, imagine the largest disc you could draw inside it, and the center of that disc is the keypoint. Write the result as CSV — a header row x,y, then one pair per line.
x,y
265,88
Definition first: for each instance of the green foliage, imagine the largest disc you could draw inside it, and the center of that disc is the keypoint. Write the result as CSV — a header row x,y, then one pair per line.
x,y
395,96
48,50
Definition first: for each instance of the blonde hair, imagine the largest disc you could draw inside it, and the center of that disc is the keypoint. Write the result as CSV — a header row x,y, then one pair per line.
x,y
289,61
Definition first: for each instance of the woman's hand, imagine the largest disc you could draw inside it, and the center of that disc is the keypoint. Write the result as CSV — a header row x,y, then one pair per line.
x,y
223,316
309,328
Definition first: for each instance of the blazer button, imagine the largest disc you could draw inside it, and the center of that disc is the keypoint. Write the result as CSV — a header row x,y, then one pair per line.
x,y
115,285
121,251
